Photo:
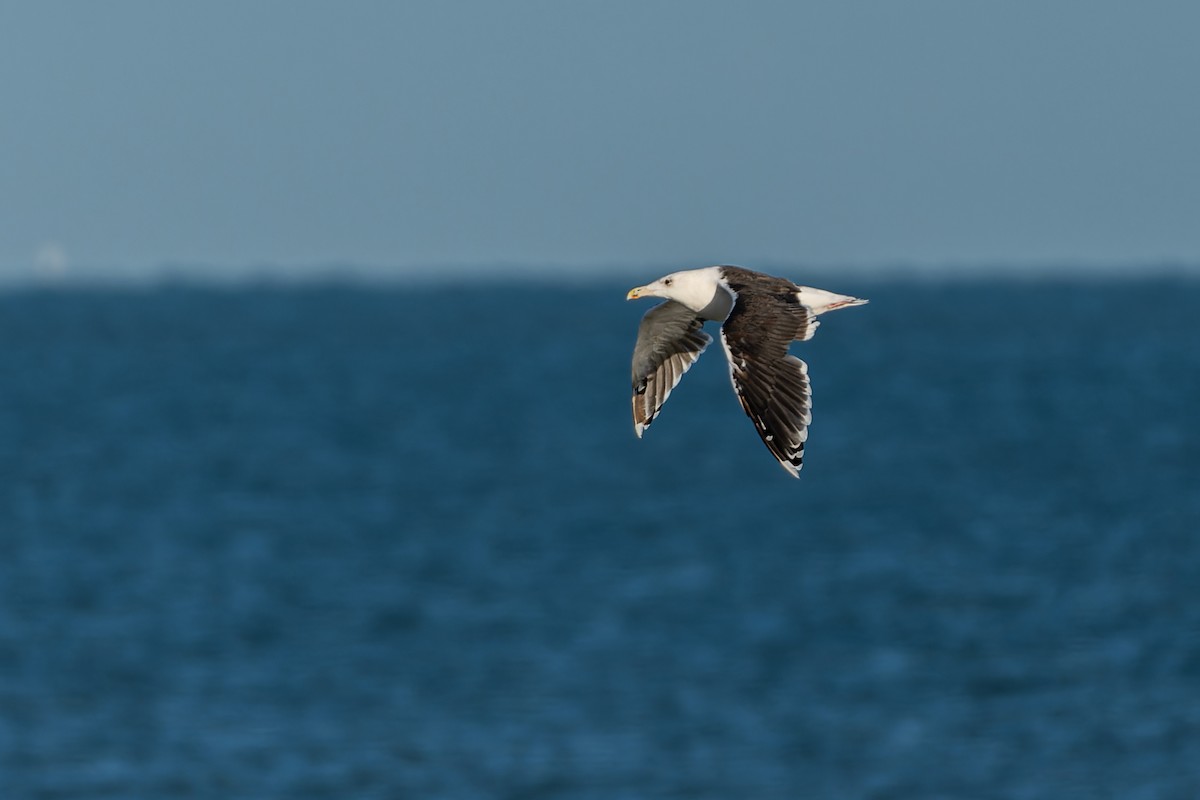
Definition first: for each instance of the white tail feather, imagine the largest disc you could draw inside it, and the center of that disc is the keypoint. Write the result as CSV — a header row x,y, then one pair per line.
x,y
821,301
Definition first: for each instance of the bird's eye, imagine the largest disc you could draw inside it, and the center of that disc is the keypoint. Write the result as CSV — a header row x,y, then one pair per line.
x,y
667,282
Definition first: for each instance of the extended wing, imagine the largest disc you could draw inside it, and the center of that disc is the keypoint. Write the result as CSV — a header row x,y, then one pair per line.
x,y
670,339
771,385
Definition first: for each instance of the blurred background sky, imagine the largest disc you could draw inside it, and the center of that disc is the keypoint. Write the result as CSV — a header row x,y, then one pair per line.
x,y
236,138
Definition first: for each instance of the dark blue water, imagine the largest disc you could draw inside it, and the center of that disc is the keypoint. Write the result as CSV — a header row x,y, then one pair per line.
x,y
378,543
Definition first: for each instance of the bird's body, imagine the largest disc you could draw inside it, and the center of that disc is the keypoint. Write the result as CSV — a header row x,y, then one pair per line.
x,y
761,316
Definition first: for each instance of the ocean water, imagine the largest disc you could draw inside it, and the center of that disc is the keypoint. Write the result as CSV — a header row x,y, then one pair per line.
x,y
337,542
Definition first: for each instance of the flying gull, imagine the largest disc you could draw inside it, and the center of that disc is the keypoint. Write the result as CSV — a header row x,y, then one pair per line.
x,y
761,316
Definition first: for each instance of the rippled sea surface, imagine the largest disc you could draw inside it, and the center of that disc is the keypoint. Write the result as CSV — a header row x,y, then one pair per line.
x,y
386,542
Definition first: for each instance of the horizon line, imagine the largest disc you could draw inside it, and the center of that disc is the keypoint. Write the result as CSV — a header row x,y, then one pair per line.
x,y
360,273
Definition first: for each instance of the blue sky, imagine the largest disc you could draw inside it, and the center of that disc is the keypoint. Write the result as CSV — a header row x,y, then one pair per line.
x,y
243,136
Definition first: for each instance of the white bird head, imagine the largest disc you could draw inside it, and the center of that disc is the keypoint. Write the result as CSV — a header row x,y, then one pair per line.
x,y
694,288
